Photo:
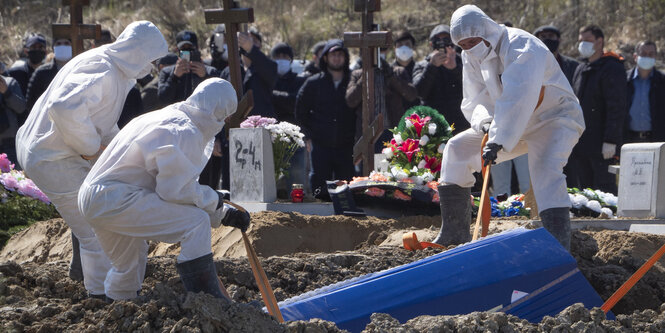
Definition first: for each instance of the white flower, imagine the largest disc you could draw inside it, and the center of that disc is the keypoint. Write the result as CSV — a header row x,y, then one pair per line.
x,y
428,176
607,212
424,140
408,123
414,169
418,180
398,138
594,206
421,164
440,149
577,200
388,152
431,128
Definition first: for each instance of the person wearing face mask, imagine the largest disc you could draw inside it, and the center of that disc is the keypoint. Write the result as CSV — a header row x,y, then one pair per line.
x,y
551,37
515,91
35,49
438,78
43,75
646,97
149,92
219,53
74,120
600,84
405,59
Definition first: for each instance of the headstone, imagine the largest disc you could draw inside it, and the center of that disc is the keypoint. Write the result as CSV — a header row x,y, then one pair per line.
x,y
252,167
642,180
656,229
380,163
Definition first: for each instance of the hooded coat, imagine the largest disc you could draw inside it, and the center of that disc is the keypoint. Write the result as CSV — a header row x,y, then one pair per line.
x,y
145,184
77,115
517,87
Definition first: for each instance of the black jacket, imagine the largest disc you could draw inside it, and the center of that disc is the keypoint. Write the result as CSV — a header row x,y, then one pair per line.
x,y
322,112
284,96
568,66
260,77
22,75
441,89
600,87
173,89
656,104
310,69
12,106
133,107
39,81
408,69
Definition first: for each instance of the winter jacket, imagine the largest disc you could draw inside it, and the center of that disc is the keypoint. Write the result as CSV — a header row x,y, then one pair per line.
x,y
12,105
568,66
39,81
173,89
260,77
322,112
133,107
22,75
441,89
656,104
284,96
600,88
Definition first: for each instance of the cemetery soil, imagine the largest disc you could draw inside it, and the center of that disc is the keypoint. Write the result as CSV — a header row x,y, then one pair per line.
x,y
302,253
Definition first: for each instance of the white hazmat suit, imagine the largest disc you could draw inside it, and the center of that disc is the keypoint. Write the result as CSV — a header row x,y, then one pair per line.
x,y
518,87
76,116
145,185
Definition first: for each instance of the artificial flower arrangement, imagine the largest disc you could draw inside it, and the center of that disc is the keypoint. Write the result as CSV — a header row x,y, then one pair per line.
x,y
286,139
414,158
21,202
594,203
512,206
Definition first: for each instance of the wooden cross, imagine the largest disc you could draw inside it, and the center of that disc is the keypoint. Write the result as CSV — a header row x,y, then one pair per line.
x,y
232,16
76,31
368,41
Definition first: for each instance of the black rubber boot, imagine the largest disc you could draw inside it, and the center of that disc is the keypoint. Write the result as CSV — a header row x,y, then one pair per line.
x,y
557,222
455,204
75,268
199,275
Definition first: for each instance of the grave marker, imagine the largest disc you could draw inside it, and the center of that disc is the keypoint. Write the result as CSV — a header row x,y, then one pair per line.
x,y
642,180
252,167
76,31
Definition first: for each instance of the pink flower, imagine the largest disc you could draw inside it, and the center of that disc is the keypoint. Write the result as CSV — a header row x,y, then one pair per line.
x,y
257,121
8,181
433,164
417,122
409,147
5,164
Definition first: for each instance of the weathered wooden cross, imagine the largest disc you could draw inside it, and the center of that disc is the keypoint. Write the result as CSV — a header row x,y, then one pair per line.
x,y
368,41
232,16
76,31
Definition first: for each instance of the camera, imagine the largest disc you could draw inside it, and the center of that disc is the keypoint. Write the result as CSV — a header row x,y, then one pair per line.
x,y
442,43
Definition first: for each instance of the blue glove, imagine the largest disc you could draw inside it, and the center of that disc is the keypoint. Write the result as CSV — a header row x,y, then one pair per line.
x,y
489,153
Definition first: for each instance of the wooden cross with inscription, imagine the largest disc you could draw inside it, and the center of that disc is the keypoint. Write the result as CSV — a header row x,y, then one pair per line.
x,y
232,16
76,31
368,41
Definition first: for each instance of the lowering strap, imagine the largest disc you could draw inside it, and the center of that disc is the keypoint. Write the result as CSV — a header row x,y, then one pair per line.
x,y
411,243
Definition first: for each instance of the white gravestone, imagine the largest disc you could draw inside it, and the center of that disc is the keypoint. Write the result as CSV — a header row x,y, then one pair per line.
x,y
252,168
642,180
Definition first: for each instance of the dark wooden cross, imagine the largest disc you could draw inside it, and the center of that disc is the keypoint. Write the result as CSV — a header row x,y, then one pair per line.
x,y
76,31
368,41
233,16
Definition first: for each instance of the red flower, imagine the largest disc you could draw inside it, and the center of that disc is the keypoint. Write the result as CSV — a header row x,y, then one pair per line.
x,y
433,164
418,123
409,147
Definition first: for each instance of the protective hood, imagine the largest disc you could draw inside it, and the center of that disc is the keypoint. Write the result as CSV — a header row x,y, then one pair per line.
x,y
469,21
212,101
137,46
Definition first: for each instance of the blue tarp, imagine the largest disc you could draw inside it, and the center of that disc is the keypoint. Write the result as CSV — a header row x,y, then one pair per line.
x,y
478,276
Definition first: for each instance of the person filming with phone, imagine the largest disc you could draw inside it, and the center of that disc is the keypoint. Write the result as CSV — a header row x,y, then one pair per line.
x,y
177,82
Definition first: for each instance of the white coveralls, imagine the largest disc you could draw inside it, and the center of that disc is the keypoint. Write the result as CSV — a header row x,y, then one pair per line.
x,y
504,88
75,116
145,185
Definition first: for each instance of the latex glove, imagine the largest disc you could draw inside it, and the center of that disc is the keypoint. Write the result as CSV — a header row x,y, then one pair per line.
x,y
609,149
489,153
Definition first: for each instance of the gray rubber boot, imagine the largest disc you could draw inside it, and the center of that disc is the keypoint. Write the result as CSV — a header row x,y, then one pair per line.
x,y
455,204
557,222
75,269
199,275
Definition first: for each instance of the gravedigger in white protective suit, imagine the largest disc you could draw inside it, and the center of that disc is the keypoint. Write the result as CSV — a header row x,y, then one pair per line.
x,y
145,187
71,123
514,90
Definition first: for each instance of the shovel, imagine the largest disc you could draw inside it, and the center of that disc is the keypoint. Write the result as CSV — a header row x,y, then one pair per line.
x,y
484,206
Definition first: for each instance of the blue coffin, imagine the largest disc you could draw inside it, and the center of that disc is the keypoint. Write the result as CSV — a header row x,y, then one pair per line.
x,y
478,276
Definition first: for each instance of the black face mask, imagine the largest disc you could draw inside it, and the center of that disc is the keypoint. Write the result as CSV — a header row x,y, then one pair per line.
x,y
551,44
36,56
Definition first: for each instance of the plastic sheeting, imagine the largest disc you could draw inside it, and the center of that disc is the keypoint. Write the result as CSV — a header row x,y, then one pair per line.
x,y
521,272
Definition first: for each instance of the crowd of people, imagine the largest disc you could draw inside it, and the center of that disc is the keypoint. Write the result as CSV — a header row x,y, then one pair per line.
x,y
87,119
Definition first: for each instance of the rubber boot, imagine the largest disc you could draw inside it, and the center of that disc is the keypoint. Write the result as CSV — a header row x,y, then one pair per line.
x,y
557,222
75,269
455,204
199,275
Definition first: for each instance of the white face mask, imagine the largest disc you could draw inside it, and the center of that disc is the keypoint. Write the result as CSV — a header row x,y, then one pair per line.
x,y
62,52
478,52
383,56
404,53
219,40
283,66
586,49
646,63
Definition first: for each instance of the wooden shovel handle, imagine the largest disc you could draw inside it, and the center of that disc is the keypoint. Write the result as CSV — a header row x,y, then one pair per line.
x,y
484,206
